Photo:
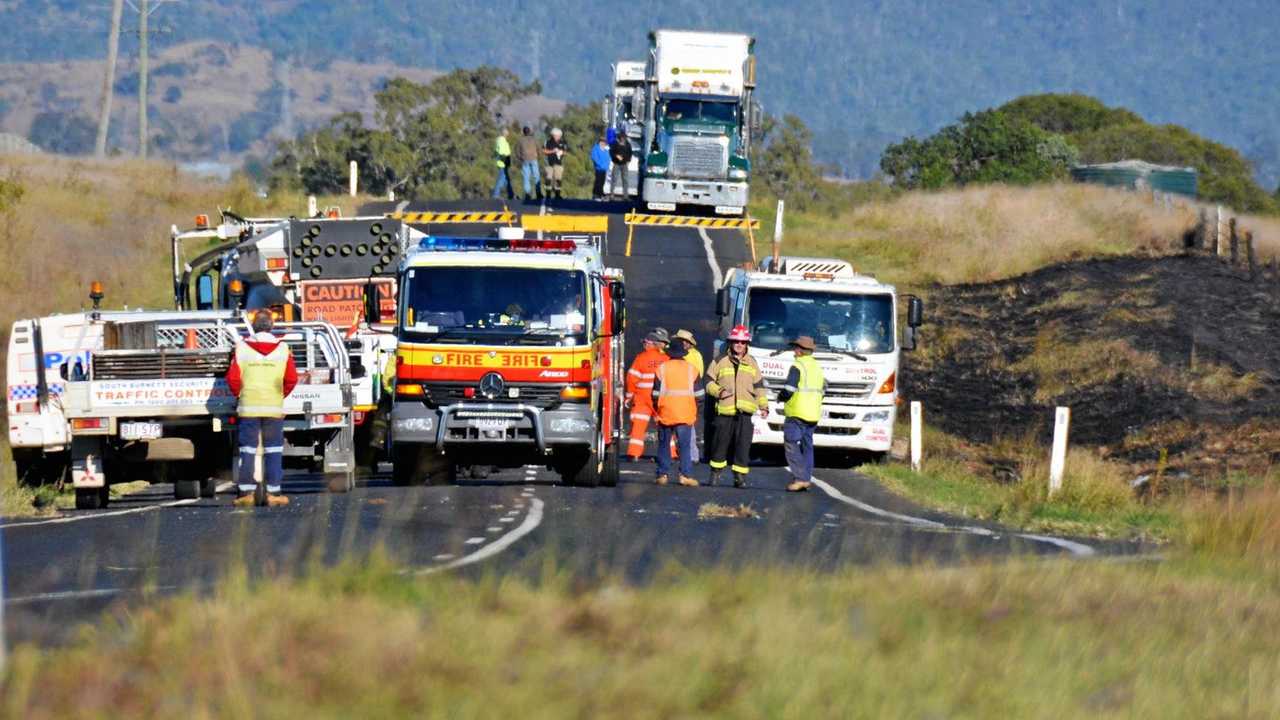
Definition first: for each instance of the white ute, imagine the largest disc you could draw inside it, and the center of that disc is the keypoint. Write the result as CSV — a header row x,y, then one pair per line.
x,y
853,320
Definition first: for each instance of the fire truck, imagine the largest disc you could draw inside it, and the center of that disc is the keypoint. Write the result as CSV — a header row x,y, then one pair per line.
x,y
314,269
510,353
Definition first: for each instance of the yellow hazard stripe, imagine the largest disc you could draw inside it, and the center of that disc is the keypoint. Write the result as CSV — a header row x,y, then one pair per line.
x,y
685,221
566,223
454,217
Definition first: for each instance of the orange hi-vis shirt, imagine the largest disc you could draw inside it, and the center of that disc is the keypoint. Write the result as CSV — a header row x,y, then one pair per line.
x,y
641,375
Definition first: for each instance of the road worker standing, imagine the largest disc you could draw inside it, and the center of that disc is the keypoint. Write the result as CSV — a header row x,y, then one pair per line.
x,y
694,358
639,394
802,397
735,381
676,392
262,374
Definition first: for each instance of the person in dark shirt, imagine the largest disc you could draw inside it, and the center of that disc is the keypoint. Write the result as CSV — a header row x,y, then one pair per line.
x,y
620,154
555,150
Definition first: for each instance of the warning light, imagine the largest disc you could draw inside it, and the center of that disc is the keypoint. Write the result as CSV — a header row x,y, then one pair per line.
x,y
277,263
202,221
235,287
95,293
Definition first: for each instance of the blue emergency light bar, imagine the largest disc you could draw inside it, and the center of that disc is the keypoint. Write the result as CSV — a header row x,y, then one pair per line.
x,y
441,244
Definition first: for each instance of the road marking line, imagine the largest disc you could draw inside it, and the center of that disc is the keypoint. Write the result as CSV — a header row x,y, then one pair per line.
x,y
506,519
474,541
112,513
443,556
495,528
718,277
531,522
1075,548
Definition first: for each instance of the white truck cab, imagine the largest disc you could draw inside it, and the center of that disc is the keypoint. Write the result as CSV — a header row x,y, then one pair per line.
x,y
852,319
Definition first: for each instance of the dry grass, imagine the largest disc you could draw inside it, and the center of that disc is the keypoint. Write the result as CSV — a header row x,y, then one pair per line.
x,y
1026,640
1243,525
985,233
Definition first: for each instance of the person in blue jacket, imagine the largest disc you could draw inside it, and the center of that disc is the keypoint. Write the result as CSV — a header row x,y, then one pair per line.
x,y
600,161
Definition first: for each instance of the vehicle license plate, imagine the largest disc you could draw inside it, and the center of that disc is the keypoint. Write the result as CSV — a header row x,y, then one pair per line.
x,y
140,430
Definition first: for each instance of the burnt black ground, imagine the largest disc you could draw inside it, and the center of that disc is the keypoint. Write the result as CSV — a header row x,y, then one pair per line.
x,y
80,564
1182,309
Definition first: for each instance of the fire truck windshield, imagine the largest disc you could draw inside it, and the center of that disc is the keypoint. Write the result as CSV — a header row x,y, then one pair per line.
x,y
514,306
847,323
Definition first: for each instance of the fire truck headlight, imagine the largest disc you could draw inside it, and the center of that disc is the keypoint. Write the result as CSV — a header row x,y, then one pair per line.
x,y
570,425
877,416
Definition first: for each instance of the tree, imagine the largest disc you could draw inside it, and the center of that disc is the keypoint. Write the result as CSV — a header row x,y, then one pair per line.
x,y
65,133
784,164
1067,114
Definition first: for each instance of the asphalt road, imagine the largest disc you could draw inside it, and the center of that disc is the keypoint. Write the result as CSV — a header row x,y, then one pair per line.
x,y
73,567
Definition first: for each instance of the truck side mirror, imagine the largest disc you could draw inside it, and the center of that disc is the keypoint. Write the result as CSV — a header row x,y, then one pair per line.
x,y
604,112
618,317
372,306
757,118
915,312
204,292
722,302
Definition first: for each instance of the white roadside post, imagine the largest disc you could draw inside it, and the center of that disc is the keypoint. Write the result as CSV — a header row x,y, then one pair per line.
x,y
1058,461
917,434
777,235
312,207
354,171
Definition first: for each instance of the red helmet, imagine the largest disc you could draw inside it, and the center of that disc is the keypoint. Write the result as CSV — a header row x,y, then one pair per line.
x,y
739,333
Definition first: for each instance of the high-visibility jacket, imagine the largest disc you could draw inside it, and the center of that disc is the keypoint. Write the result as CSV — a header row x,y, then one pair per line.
x,y
501,151
695,359
804,389
640,376
676,392
262,374
742,378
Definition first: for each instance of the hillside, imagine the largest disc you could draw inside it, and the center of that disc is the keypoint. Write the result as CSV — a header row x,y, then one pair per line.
x,y
209,100
862,73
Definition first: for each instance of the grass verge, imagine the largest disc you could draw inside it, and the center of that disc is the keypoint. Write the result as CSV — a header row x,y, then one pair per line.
x,y
1019,639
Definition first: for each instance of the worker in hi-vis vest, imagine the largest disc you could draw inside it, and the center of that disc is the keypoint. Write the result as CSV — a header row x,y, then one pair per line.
x,y
802,405
677,391
262,375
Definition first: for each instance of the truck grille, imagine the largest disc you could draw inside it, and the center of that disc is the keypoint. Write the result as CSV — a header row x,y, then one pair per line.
x,y
159,364
543,396
697,157
852,391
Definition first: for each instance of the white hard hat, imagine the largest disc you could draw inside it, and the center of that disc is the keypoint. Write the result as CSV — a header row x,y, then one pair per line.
x,y
555,132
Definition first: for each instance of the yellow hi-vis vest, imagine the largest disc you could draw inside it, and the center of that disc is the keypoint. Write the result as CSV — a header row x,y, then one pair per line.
x,y
261,381
805,402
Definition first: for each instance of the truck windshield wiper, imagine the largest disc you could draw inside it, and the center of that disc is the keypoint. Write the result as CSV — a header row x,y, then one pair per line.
x,y
826,349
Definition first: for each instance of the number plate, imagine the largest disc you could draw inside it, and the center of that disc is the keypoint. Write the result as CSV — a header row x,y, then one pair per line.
x,y
140,430
491,424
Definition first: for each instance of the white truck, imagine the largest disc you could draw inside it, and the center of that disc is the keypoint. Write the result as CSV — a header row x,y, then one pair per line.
x,y
315,269
853,320
623,110
699,121
101,397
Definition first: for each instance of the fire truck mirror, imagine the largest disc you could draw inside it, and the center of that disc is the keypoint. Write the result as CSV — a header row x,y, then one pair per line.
x,y
618,318
722,302
204,292
909,339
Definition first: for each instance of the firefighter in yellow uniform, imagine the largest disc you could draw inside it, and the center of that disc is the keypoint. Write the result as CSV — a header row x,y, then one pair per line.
x,y
262,374
736,383
802,395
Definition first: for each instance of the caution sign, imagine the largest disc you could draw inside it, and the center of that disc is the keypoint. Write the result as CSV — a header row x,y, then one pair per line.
x,y
745,223
505,217
341,302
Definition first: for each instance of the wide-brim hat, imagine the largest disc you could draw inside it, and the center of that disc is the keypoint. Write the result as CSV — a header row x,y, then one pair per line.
x,y
805,342
685,335
654,337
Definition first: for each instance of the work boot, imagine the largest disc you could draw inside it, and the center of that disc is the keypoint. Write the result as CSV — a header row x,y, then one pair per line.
x,y
687,481
798,486
715,478
739,480
277,500
661,480
245,500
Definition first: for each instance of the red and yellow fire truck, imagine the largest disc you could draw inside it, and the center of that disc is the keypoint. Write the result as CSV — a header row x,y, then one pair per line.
x,y
509,353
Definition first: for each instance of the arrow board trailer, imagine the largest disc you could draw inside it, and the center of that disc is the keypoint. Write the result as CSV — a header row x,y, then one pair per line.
x,y
510,353
318,269
126,391
853,320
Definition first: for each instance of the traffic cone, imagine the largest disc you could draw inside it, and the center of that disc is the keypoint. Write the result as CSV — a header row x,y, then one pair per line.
x,y
192,342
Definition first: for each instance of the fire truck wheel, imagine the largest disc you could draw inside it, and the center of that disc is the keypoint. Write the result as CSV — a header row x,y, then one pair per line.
x,y
609,476
340,482
186,489
92,498
581,468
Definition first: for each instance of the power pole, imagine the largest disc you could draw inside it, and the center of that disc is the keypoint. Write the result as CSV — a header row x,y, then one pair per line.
x,y
143,12
109,78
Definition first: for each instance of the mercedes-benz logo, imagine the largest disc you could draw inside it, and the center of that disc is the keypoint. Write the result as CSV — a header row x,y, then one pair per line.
x,y
492,385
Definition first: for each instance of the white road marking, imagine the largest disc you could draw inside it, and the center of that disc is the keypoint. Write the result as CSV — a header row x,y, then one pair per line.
x,y
443,556
495,528
506,519
531,522
82,594
711,259
1075,548
111,513
474,541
